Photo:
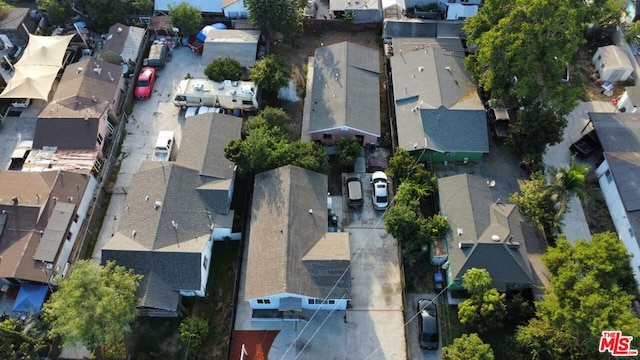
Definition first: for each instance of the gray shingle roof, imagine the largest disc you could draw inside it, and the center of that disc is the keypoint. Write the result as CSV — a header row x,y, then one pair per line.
x,y
177,270
204,138
454,130
489,230
345,91
429,80
154,292
619,134
173,188
288,243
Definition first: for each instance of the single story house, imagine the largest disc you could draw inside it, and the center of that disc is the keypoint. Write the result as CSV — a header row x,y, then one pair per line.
x,y
484,233
444,122
344,86
619,176
123,44
241,45
612,63
41,217
173,213
294,265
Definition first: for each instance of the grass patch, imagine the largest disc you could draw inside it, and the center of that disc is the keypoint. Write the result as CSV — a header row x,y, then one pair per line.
x,y
450,324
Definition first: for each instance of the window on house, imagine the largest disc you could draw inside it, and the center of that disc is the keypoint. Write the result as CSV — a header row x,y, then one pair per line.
x,y
327,136
631,232
69,234
331,302
599,57
264,301
204,263
247,102
76,217
100,138
608,175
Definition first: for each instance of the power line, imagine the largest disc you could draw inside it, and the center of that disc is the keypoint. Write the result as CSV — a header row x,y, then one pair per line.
x,y
357,254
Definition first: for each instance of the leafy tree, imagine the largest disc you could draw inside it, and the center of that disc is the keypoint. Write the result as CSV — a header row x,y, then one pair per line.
x,y
534,128
57,11
22,340
485,307
588,294
308,155
194,331
272,118
277,16
405,224
536,202
5,9
411,192
437,226
223,69
403,166
187,18
266,146
522,49
104,13
271,73
348,150
94,306
467,347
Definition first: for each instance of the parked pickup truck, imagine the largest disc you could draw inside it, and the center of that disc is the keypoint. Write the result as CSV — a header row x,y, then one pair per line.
x,y
164,145
499,120
586,146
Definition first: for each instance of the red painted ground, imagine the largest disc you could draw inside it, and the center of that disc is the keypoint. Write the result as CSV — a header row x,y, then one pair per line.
x,y
256,342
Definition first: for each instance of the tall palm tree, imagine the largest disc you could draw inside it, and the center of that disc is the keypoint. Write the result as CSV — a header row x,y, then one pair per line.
x,y
568,181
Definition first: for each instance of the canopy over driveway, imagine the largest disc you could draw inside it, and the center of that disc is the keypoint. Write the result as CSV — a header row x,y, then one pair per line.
x,y
36,70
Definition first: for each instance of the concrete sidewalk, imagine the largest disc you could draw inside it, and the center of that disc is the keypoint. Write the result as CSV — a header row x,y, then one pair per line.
x,y
575,223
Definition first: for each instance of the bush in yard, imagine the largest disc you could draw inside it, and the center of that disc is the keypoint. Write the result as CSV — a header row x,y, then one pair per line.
x,y
193,331
271,73
348,150
223,69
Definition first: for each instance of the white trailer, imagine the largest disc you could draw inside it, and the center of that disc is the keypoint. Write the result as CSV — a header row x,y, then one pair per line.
x,y
229,95
164,146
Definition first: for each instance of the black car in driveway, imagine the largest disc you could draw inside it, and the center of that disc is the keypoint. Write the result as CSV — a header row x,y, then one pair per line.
x,y
428,322
586,146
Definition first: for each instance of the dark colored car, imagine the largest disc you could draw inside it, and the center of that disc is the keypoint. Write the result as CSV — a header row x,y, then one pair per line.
x,y
499,120
428,322
586,146
354,192
146,80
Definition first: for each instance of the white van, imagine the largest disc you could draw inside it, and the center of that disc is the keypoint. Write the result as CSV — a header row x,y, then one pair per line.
x,y
164,146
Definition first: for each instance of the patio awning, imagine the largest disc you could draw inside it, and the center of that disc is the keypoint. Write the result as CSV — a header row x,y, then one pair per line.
x,y
30,298
36,70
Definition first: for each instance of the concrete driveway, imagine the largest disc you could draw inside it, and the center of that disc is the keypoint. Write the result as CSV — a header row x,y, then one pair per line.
x,y
411,318
373,326
575,223
147,119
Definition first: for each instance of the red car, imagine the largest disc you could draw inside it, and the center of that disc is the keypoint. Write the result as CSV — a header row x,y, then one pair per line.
x,y
144,85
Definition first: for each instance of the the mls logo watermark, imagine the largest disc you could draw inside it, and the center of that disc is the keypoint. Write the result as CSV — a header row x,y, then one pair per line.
x,y
617,344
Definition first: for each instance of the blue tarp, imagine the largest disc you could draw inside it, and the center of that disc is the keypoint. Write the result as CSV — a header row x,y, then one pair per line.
x,y
30,298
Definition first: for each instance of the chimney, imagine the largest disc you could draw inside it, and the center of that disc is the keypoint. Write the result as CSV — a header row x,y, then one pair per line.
x,y
15,200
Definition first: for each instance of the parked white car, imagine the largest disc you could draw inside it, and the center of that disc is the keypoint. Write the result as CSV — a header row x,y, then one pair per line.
x,y
380,185
164,146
